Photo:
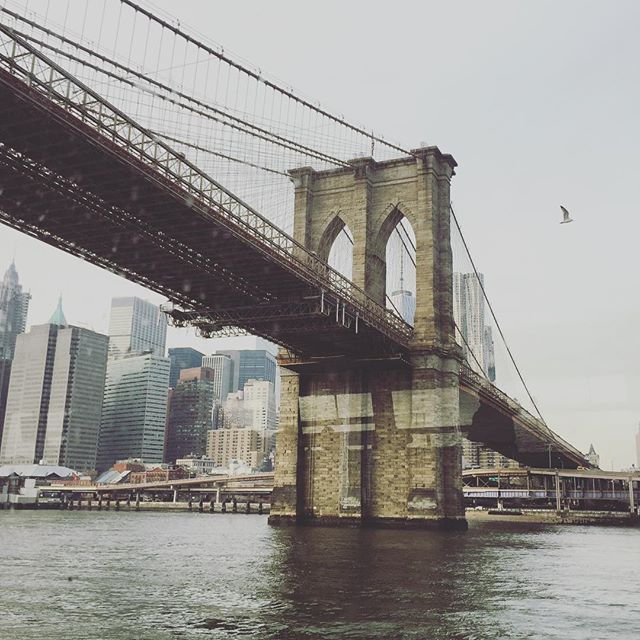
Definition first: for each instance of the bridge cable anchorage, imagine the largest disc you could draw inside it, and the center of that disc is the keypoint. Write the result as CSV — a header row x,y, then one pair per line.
x,y
258,77
493,315
237,123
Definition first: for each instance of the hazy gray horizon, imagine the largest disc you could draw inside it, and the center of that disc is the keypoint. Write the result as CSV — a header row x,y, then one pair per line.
x,y
538,102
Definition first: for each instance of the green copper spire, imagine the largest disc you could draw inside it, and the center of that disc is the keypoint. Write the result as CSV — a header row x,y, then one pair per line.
x,y
58,315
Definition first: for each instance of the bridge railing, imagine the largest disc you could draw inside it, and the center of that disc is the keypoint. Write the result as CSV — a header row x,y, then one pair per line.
x,y
186,180
517,410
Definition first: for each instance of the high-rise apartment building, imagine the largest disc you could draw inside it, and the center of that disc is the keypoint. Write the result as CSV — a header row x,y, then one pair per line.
x,y
136,326
182,358
260,404
135,409
14,305
233,415
490,459
254,407
55,396
190,414
256,364
249,446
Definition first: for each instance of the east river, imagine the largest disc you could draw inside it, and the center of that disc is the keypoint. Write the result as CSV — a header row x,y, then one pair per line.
x,y
120,576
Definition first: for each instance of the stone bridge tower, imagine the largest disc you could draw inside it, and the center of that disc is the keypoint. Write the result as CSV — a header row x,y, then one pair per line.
x,y
376,442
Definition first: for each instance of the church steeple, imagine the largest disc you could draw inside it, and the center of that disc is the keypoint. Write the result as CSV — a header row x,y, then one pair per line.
x,y
58,315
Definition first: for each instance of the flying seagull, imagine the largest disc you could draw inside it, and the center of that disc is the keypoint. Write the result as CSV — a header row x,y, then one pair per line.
x,y
565,216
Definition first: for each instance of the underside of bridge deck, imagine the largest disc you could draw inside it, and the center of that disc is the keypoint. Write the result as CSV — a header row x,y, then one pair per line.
x,y
65,183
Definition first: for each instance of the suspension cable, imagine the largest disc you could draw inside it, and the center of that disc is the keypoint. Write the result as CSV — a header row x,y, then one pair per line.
x,y
256,76
218,154
258,132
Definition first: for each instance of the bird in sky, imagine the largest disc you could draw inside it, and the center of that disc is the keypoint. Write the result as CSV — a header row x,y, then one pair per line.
x,y
565,216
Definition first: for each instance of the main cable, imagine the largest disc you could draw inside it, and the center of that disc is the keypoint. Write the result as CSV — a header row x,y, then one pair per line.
x,y
252,74
237,123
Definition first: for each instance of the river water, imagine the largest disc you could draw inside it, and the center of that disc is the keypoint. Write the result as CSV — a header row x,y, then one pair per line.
x,y
127,575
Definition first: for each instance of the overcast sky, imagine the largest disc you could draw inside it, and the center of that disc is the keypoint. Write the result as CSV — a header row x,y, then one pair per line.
x,y
539,104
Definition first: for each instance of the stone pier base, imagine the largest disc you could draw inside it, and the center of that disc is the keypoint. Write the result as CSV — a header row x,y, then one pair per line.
x,y
373,439
370,446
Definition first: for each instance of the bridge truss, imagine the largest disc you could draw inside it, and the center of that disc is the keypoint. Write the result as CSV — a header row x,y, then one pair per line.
x,y
252,274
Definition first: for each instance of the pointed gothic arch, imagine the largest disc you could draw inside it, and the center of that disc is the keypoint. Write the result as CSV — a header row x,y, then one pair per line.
x,y
396,245
336,246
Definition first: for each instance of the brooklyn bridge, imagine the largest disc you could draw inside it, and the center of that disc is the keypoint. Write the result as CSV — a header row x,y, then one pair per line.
x,y
373,408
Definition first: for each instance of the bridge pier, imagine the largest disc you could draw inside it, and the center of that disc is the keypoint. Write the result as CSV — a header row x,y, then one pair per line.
x,y
373,446
375,440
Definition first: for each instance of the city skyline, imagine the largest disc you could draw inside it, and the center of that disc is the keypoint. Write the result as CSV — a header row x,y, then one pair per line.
x,y
115,408
181,337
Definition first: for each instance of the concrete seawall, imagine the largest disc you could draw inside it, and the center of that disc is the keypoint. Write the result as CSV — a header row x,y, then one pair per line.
x,y
608,518
122,505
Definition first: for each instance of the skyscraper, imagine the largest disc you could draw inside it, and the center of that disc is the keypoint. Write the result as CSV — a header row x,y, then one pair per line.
x,y
260,404
55,395
488,354
593,457
136,326
190,414
468,312
256,364
476,340
221,365
14,304
182,358
135,409
254,407
5,374
402,299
